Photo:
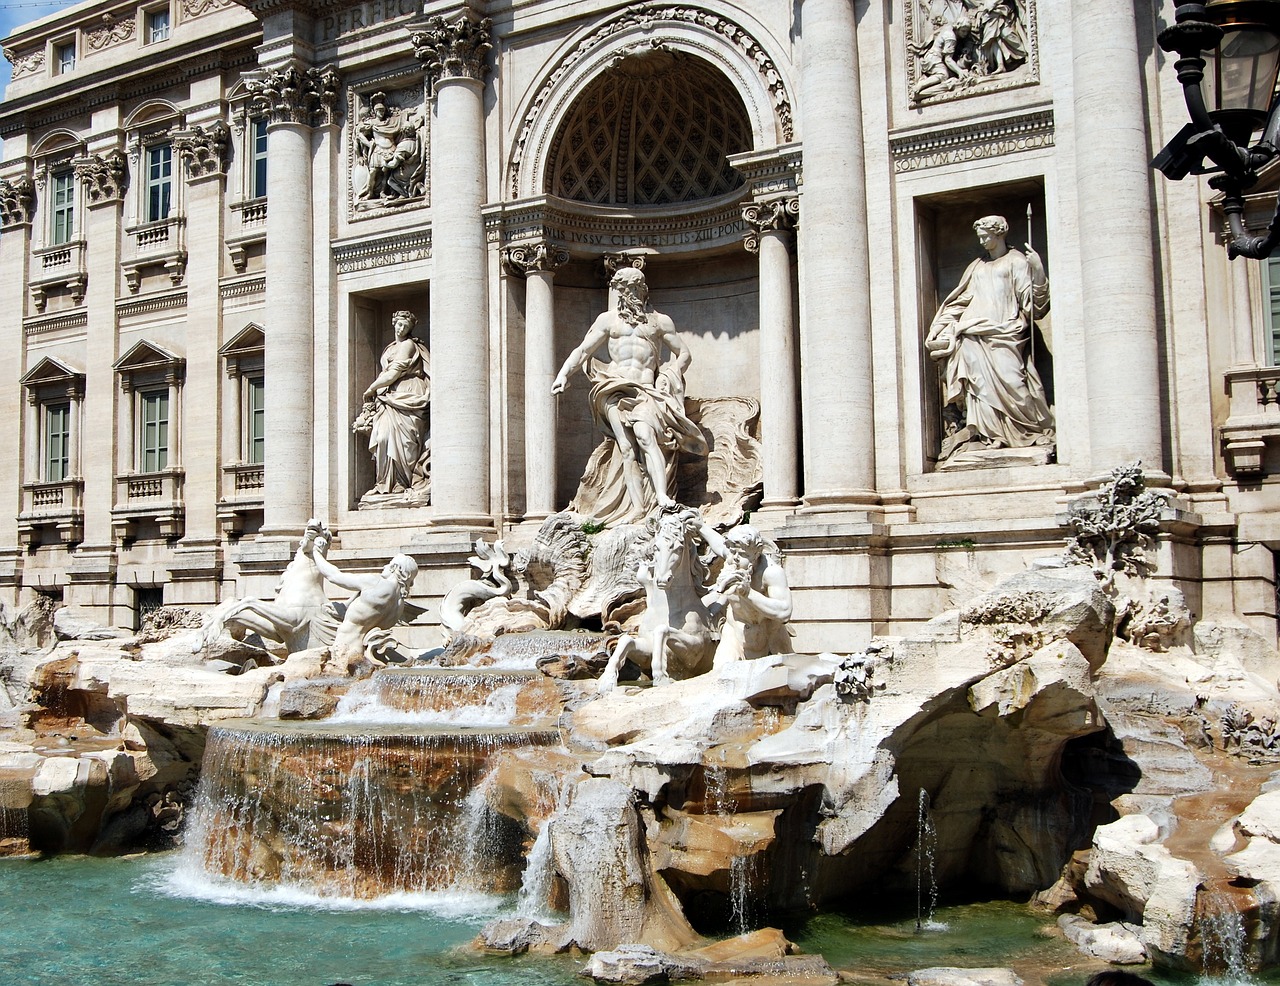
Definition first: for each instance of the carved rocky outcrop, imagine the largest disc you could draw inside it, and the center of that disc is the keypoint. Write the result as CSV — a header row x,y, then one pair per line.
x,y
104,177
17,200
205,151
454,49
1111,530
294,94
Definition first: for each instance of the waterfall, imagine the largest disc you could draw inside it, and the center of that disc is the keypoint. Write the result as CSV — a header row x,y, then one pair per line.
x,y
926,875
1223,940
453,697
743,868
539,871
352,814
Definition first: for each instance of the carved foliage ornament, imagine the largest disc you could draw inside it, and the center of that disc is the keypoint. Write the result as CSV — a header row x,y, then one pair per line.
x,y
453,50
17,200
648,16
1113,528
204,150
293,95
527,258
767,217
103,176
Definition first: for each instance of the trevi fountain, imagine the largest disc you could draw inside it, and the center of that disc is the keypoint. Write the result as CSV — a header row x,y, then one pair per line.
x,y
616,755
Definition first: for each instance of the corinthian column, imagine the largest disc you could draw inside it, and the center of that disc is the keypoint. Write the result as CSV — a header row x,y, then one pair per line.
x,y
453,53
1114,182
294,99
17,203
835,332
769,226
537,263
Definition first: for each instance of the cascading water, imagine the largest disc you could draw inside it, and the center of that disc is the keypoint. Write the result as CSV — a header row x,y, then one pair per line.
x,y
449,697
743,876
539,872
351,814
1223,941
926,853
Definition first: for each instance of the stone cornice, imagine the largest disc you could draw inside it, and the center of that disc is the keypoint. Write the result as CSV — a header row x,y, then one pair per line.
x,y
152,304
243,287
60,322
384,250
972,140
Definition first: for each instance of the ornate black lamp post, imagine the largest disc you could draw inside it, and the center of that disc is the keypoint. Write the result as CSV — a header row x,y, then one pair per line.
x,y
1229,53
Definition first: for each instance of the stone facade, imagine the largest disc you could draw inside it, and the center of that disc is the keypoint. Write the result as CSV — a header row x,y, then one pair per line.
x,y
206,233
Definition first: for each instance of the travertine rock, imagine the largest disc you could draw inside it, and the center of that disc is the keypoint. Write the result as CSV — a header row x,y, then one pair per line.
x,y
1114,942
952,976
68,626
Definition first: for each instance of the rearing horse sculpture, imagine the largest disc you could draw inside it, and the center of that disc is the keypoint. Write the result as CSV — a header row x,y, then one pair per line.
x,y
675,638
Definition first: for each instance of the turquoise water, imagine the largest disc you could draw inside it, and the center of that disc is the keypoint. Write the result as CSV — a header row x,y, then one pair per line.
x,y
77,921
148,921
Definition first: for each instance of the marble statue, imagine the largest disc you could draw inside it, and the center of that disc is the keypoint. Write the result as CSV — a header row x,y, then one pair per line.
x,y
494,583
752,595
637,400
395,415
378,605
299,617
944,59
675,637
997,36
389,144
981,339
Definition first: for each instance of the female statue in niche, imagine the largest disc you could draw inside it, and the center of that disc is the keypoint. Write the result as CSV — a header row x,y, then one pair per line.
x,y
991,393
395,417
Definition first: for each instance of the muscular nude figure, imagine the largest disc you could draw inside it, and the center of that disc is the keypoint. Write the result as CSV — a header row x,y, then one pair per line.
x,y
636,398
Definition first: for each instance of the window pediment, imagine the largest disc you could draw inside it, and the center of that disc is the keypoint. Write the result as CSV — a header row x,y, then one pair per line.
x,y
147,362
52,378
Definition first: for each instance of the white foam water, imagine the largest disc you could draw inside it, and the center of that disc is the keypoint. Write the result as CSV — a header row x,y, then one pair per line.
x,y
363,706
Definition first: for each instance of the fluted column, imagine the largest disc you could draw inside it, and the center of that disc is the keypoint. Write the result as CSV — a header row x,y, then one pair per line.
x,y
835,334
295,99
1113,179
769,232
537,263
17,202
454,53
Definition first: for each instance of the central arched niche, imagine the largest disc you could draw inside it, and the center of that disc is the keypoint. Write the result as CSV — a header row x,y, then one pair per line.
x,y
654,128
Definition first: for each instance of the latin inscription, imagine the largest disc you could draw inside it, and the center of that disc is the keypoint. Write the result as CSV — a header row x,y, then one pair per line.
x,y
365,15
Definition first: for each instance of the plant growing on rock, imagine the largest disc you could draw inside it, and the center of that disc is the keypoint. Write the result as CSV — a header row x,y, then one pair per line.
x,y
1113,528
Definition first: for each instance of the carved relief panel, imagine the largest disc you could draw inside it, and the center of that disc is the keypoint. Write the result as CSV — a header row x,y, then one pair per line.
x,y
958,48
387,149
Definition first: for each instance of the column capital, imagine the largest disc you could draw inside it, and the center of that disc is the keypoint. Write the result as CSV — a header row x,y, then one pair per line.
x,y
295,94
17,201
527,258
613,262
204,151
104,176
453,49
773,216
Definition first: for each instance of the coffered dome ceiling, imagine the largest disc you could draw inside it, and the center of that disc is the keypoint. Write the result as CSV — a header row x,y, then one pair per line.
x,y
653,129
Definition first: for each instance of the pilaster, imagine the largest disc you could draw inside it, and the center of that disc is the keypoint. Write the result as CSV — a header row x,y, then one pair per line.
x,y
17,203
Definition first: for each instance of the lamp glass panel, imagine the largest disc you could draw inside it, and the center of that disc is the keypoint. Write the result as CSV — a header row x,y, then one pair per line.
x,y
1241,74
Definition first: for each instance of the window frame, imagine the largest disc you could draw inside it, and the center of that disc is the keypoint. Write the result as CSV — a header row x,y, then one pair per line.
x,y
148,31
64,436
65,209
153,185
147,397
257,158
58,50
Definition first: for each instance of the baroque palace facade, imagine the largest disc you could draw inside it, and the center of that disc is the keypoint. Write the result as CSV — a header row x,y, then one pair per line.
x,y
215,215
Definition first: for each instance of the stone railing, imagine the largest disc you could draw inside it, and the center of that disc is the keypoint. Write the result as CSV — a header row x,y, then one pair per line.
x,y
58,267
1251,433
242,500
151,497
52,507
163,244
252,232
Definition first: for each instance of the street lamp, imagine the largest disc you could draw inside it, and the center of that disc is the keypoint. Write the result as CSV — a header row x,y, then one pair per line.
x,y
1229,54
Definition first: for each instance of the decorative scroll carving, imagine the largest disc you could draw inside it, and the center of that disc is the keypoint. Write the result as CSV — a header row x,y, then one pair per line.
x,y
17,201
650,16
25,63
525,258
103,175
194,8
454,50
293,95
389,145
613,262
204,151
112,32
966,47
765,217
